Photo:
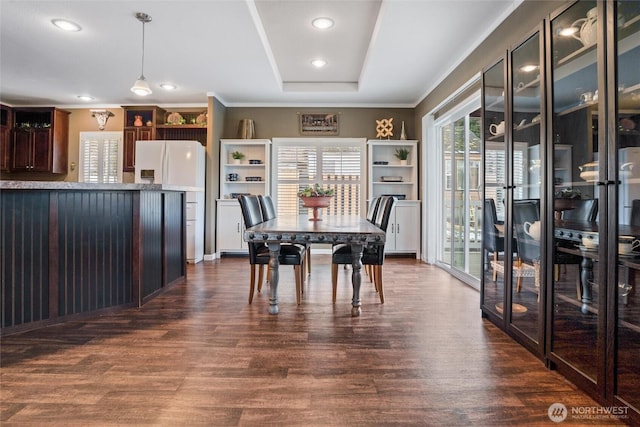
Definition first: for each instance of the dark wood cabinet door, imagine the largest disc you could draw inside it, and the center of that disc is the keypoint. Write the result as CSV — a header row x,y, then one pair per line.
x,y
21,150
131,135
5,148
129,150
42,152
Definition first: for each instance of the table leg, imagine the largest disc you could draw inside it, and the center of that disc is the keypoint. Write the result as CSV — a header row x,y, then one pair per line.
x,y
586,276
274,276
356,277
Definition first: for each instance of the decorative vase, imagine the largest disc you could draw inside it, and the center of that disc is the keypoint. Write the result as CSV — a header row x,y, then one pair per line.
x,y
403,133
236,161
137,121
316,203
403,163
246,129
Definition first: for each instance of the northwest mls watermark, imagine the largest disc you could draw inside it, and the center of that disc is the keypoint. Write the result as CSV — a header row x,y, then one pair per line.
x,y
558,413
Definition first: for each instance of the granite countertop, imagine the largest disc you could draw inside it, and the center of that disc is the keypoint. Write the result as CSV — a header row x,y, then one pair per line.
x,y
65,185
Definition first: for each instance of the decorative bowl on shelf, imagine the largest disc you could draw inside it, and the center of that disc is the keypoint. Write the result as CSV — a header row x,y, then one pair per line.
x,y
174,119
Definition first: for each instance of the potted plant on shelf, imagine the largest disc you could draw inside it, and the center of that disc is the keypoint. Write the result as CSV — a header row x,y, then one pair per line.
x,y
402,154
315,198
237,156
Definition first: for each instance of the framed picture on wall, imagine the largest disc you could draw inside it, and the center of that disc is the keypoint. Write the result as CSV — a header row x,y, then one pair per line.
x,y
319,124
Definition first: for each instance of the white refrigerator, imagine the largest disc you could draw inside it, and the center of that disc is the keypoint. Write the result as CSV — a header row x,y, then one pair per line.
x,y
177,163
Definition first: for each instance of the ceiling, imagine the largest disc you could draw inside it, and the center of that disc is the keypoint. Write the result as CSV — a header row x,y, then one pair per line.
x,y
380,53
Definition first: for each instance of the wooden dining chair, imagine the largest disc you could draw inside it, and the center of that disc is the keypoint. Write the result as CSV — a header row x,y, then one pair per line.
x,y
259,254
373,256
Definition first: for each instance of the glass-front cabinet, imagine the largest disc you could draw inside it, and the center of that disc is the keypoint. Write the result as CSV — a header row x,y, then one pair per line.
x,y
513,186
495,165
561,230
526,154
595,310
625,128
577,293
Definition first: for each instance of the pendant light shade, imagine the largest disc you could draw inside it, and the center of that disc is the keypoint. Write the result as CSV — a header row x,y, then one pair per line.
x,y
141,87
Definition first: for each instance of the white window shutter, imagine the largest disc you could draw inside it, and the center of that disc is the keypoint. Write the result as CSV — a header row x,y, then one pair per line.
x,y
100,159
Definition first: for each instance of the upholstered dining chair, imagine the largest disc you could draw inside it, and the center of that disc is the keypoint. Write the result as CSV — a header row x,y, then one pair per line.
x,y
373,256
492,238
269,212
583,210
372,212
259,252
528,248
635,213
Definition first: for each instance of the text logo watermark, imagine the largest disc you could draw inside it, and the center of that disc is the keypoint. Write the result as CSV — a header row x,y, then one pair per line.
x,y
558,412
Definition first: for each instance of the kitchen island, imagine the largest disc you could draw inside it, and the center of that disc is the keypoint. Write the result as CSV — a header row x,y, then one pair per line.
x,y
72,249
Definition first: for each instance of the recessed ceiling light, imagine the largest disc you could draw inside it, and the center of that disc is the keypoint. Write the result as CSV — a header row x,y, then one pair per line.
x,y
63,24
322,23
319,63
168,86
85,98
528,68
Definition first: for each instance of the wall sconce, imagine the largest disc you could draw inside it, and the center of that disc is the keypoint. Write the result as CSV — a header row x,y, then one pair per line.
x,y
101,116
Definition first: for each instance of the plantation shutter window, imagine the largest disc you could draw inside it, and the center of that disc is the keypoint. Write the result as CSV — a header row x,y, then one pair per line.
x,y
334,163
100,157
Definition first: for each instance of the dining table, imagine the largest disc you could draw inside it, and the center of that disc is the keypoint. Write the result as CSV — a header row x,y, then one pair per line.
x,y
330,229
573,232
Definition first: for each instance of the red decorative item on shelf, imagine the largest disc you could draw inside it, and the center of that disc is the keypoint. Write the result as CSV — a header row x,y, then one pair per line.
x,y
316,202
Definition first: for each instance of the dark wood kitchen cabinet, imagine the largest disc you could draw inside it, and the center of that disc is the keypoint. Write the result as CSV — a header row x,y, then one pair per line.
x,y
139,125
39,140
5,137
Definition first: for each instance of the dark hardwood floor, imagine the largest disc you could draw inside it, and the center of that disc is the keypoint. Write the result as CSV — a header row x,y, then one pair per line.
x,y
200,355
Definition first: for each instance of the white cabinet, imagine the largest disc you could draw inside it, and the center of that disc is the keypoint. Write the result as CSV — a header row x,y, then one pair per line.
x,y
403,233
389,176
195,226
249,175
230,227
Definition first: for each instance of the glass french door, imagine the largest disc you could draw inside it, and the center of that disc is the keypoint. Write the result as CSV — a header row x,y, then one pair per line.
x,y
461,218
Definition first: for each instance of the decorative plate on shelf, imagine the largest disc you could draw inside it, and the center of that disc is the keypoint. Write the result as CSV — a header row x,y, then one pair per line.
x,y
174,118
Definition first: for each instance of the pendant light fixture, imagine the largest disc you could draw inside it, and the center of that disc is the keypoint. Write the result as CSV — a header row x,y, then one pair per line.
x,y
141,87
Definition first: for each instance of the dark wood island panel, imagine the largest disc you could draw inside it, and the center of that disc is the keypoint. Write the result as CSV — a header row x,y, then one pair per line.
x,y
66,252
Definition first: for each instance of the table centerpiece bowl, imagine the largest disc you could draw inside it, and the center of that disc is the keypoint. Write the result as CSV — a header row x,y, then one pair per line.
x,y
316,198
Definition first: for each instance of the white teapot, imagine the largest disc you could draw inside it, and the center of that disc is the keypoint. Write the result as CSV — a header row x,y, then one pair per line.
x,y
532,229
588,29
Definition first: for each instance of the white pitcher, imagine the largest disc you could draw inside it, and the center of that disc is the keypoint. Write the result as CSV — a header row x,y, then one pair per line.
x,y
532,229
588,28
